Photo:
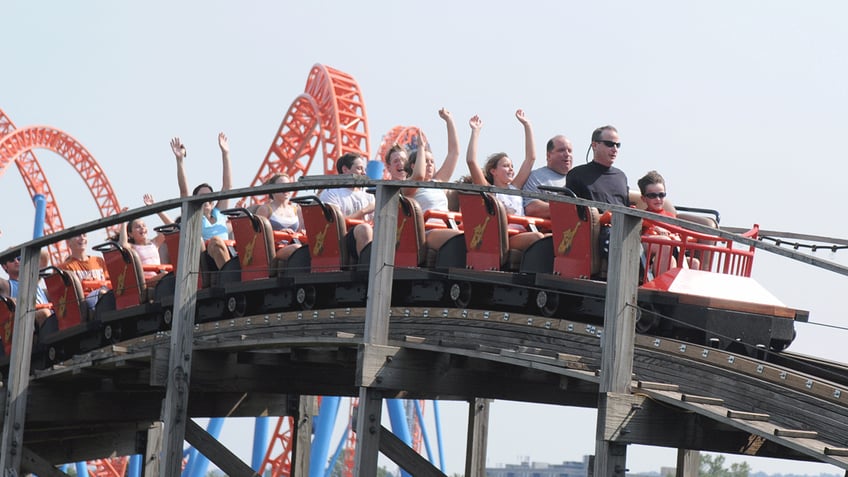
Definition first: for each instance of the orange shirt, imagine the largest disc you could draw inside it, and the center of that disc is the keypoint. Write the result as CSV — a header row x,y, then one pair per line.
x,y
94,268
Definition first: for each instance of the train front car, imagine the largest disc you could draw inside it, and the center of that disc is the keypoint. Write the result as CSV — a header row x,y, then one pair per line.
x,y
694,286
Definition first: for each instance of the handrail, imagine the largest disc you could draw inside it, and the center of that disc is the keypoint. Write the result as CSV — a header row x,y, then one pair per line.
x,y
311,182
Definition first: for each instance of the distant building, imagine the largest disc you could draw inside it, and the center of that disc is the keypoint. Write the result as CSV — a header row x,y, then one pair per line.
x,y
541,469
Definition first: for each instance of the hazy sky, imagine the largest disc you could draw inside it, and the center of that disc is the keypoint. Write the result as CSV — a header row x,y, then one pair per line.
x,y
740,105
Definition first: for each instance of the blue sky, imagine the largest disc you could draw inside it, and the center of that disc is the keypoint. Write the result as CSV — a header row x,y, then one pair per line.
x,y
740,105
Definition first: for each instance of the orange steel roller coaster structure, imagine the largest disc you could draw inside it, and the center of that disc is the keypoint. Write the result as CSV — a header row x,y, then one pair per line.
x,y
17,145
330,114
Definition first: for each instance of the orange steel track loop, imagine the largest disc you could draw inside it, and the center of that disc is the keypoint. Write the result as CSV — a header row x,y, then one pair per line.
x,y
113,467
20,141
36,183
331,111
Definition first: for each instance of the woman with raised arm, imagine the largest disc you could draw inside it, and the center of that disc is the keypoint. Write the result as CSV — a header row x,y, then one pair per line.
x,y
499,172
425,170
422,167
215,227
395,160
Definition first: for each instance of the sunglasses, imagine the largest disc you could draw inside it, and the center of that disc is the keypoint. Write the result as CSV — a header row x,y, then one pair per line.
x,y
617,145
655,195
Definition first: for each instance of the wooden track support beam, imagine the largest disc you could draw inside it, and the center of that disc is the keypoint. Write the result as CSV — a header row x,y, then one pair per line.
x,y
376,332
478,437
175,404
219,455
619,335
395,449
19,365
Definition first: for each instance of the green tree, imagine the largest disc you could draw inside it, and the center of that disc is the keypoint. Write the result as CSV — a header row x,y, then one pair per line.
x,y
713,466
338,470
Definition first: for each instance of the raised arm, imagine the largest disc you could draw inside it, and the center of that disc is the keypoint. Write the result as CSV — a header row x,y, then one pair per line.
x,y
180,153
477,175
529,151
227,181
123,235
446,171
420,166
148,200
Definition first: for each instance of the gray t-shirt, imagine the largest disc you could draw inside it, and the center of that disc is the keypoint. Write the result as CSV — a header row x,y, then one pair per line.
x,y
542,176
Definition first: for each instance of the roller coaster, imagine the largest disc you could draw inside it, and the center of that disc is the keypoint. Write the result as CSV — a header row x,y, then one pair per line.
x,y
330,114
560,277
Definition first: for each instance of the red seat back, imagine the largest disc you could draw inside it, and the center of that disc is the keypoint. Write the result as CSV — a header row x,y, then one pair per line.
x,y
172,235
484,226
65,292
7,323
574,240
125,273
254,243
410,250
325,231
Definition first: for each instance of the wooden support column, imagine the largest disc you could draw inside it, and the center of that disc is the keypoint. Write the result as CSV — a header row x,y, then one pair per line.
x,y
688,463
478,437
376,326
16,391
302,439
619,335
152,457
175,404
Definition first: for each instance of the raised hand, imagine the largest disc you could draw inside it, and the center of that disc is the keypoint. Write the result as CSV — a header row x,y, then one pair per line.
x,y
178,148
148,199
445,114
475,122
521,117
223,142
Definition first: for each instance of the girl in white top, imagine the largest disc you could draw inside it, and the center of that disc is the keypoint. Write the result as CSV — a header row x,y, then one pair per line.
x,y
283,214
280,210
425,171
499,172
134,236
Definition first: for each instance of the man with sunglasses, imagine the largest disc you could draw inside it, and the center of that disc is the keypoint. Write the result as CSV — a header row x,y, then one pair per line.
x,y
559,160
9,288
599,180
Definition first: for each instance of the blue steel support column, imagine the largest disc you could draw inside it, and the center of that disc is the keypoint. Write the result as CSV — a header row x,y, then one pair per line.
x,y
40,210
324,422
438,419
82,469
339,448
260,441
400,428
420,415
135,466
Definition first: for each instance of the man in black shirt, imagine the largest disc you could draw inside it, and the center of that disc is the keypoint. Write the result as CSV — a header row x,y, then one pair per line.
x,y
599,180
